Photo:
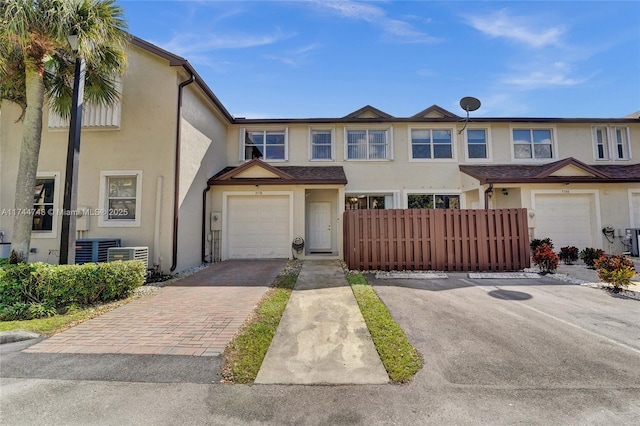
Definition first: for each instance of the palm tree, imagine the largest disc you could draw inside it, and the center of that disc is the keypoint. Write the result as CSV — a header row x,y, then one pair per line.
x,y
36,63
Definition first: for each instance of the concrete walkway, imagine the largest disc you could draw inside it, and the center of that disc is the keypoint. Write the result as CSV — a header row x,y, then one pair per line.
x,y
322,337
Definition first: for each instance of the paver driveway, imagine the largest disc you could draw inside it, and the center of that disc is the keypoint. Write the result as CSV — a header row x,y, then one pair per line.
x,y
197,315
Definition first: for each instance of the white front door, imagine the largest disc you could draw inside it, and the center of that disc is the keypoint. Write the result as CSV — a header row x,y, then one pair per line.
x,y
320,226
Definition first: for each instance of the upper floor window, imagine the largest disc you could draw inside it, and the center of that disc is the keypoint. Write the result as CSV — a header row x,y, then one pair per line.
x,y
433,201
611,143
431,143
269,145
120,197
321,144
368,144
532,143
477,147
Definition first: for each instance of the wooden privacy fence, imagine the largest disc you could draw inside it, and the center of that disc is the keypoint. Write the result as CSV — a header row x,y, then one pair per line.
x,y
436,239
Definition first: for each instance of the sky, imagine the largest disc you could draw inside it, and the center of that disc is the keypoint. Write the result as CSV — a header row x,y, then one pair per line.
x,y
314,58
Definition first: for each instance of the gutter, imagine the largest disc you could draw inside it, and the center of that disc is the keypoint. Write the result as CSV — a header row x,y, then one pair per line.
x,y
204,224
176,171
487,192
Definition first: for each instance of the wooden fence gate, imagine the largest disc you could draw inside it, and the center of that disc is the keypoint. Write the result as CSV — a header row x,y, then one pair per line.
x,y
436,239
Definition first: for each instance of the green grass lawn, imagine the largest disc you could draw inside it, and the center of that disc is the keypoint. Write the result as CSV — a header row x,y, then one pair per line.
x,y
245,353
401,360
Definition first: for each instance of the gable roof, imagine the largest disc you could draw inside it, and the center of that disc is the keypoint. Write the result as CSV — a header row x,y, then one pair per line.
x,y
368,111
285,175
547,173
434,111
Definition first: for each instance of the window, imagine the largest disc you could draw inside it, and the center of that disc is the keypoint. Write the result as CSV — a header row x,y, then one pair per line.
x,y
477,144
321,144
368,144
120,197
611,143
601,140
43,204
532,143
270,145
431,201
370,201
621,140
431,143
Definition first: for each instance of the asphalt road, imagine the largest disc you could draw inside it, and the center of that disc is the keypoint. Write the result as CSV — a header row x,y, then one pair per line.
x,y
496,352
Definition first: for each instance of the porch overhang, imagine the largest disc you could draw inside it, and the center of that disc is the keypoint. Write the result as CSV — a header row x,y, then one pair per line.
x,y
257,172
568,170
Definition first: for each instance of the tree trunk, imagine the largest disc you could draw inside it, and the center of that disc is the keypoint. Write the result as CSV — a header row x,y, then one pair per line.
x,y
28,166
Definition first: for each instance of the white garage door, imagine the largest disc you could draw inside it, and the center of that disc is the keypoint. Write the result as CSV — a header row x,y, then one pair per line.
x,y
568,219
258,227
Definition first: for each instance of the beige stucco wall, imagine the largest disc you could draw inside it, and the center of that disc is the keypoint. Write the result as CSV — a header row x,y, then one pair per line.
x,y
144,142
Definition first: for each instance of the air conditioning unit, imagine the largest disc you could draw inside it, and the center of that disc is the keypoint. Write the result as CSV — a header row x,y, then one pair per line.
x,y
634,235
94,249
130,253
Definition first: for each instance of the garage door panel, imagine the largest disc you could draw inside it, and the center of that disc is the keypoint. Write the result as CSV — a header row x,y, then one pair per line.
x,y
258,226
568,219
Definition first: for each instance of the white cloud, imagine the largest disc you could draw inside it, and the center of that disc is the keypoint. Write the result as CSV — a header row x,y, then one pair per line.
x,y
294,57
394,29
521,29
553,75
187,44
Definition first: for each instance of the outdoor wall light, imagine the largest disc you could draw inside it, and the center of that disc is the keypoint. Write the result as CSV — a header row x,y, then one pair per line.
x,y
505,192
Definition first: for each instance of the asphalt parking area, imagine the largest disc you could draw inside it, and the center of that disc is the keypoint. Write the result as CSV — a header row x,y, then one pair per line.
x,y
520,334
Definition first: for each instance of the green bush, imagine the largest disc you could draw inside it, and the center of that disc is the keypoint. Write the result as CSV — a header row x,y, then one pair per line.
x,y
535,243
616,270
45,288
589,255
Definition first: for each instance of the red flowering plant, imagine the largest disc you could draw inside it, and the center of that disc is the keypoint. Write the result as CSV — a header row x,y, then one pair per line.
x,y
569,254
616,270
545,258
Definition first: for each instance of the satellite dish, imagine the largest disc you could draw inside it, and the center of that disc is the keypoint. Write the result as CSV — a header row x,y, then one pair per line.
x,y
469,103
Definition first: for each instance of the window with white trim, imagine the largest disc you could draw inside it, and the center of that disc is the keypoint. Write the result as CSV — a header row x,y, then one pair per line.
x,y
477,146
44,197
611,143
268,145
621,143
601,142
368,144
433,201
321,144
368,201
120,198
431,143
532,143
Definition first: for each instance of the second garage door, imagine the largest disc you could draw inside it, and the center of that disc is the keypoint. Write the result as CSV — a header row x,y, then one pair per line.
x,y
568,219
258,227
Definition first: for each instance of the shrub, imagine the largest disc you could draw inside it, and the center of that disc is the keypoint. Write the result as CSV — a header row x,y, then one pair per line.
x,y
589,255
569,254
535,243
545,258
616,270
45,288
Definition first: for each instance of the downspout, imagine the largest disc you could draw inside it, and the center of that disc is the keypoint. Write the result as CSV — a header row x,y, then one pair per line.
x,y
487,193
176,171
204,223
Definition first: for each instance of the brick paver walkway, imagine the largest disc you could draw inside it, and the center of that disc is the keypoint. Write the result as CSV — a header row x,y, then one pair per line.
x,y
197,316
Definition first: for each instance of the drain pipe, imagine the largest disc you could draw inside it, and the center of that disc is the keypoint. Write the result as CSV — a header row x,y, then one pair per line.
x,y
204,224
176,171
487,194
